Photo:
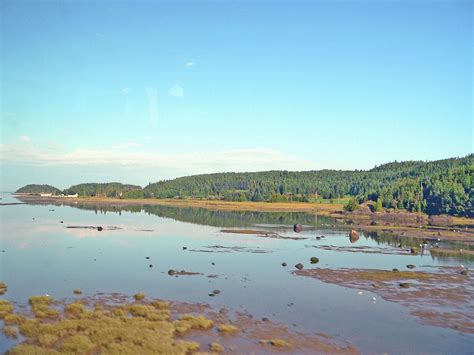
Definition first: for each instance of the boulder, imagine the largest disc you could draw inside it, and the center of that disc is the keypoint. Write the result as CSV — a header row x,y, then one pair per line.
x,y
299,266
314,260
353,236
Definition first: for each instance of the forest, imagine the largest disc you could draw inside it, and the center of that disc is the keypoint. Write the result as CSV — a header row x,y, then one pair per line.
x,y
435,187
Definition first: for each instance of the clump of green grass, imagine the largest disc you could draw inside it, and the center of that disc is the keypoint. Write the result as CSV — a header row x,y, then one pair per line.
x,y
40,307
227,328
75,309
216,347
10,331
160,304
139,296
78,344
12,318
5,308
279,343
188,322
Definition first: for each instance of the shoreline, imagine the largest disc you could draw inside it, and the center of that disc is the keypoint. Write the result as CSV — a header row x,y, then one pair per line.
x,y
401,223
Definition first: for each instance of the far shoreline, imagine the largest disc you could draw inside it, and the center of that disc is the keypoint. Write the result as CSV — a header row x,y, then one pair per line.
x,y
407,224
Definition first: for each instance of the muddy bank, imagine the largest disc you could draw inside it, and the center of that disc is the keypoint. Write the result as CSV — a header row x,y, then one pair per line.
x,y
114,323
443,298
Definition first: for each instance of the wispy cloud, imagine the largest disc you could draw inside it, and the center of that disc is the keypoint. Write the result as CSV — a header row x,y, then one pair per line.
x,y
176,91
25,138
127,145
189,64
251,159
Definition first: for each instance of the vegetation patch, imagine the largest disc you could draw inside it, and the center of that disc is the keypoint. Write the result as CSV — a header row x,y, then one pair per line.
x,y
139,296
5,308
3,288
227,328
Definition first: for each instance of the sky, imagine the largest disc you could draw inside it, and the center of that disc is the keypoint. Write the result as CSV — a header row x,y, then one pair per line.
x,y
140,91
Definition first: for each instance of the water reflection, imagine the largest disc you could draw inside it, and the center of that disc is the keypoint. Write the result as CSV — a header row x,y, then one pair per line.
x,y
44,256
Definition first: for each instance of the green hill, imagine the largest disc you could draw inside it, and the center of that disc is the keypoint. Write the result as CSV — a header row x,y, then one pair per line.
x,y
38,189
111,189
436,187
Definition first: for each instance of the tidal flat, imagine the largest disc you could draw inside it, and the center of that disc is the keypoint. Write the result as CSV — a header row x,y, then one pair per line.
x,y
225,281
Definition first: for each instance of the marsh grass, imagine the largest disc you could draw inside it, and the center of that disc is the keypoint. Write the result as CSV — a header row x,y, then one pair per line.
x,y
3,288
125,329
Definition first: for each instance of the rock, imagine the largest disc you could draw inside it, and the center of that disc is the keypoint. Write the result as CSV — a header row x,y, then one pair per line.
x,y
414,250
299,266
464,272
411,266
283,264
395,270
404,285
172,272
216,292
211,295
353,236
213,263
147,257
318,238
184,248
100,229
314,260
151,265
61,222
297,228
265,319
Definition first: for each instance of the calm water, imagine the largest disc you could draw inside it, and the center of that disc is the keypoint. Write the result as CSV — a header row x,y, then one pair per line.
x,y
41,255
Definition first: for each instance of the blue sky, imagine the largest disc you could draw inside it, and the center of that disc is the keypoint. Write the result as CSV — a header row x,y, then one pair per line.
x,y
138,91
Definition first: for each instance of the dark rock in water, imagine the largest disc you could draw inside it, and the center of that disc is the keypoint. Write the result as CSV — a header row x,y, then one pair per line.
x,y
297,228
211,295
411,266
314,260
399,245
318,238
61,222
151,265
184,248
353,236
147,257
414,250
464,272
265,319
100,229
283,264
404,284
213,263
216,292
395,270
172,272
299,266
